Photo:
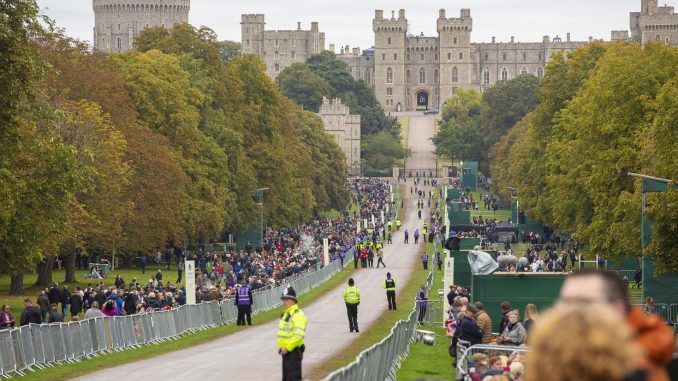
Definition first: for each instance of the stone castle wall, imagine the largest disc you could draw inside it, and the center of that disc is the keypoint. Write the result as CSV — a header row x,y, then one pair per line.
x,y
118,22
345,128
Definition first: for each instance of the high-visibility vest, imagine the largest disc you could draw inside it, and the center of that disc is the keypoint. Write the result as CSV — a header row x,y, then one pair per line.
x,y
243,296
424,257
398,222
389,285
291,328
379,246
352,295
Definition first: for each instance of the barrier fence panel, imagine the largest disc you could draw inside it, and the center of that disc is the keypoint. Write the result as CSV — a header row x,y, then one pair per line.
x,y
57,339
464,365
673,313
7,356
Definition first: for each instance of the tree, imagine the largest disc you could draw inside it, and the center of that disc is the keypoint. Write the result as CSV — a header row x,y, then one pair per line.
x,y
381,152
458,136
230,49
301,85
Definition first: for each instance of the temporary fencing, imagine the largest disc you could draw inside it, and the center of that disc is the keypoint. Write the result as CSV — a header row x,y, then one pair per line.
x,y
465,352
382,360
34,346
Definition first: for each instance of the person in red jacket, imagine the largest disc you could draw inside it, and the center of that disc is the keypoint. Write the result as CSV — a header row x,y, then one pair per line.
x,y
651,333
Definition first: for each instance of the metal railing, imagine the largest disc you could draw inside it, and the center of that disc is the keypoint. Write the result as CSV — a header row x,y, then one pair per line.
x,y
38,346
464,353
382,360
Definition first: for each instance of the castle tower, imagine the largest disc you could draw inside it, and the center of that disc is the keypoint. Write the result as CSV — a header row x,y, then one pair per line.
x,y
456,61
252,27
118,22
389,58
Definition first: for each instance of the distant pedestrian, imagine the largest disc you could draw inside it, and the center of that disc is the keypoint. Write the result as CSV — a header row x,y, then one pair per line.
x,y
243,300
407,237
389,285
31,313
421,302
424,260
180,271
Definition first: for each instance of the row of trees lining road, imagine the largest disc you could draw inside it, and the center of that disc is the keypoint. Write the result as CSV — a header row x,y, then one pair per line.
x,y
125,154
472,123
324,75
605,110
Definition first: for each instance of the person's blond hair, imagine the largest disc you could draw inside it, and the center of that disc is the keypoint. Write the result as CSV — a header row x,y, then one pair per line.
x,y
587,342
531,312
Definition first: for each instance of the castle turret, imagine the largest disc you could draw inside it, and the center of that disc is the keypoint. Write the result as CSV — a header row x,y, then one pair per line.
x,y
252,37
389,50
456,69
117,23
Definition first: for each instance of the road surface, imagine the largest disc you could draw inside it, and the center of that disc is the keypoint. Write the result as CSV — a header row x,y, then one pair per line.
x,y
251,354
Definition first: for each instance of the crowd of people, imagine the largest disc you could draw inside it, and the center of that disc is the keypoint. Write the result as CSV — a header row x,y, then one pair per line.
x,y
284,253
591,333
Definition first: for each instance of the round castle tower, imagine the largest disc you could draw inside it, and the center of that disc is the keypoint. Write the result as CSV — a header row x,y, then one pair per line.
x,y
118,22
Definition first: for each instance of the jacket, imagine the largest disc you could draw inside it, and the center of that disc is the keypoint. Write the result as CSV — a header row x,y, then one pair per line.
x,y
352,295
76,304
31,314
291,328
485,323
55,317
65,297
470,331
43,302
54,295
515,336
656,338
6,320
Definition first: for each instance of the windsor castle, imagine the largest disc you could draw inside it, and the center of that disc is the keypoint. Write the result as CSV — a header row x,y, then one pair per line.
x,y
407,72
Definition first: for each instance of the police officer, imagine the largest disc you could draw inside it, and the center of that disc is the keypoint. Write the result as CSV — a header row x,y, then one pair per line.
x,y
389,285
352,299
398,223
243,300
291,332
424,260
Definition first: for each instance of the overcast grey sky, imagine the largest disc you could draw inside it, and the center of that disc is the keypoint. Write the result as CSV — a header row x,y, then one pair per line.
x,y
349,22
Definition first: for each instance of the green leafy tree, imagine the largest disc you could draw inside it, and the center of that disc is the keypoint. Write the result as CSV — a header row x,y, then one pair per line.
x,y
381,152
458,135
303,86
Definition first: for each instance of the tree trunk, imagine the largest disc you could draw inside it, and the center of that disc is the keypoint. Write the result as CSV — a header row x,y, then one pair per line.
x,y
16,286
127,261
69,264
45,272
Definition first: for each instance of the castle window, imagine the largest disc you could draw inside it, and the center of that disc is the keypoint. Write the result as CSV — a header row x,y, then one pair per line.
x,y
389,75
276,42
658,37
461,56
408,78
666,40
436,57
368,77
540,72
524,57
383,56
486,76
435,91
485,56
449,56
292,55
504,74
275,55
541,55
277,68
395,56
422,75
523,70
293,42
455,41
435,76
389,40
407,91
118,26
389,91
119,44
503,57
422,57
455,75
408,56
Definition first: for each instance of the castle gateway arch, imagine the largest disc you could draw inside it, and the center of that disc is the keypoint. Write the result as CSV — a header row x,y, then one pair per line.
x,y
422,99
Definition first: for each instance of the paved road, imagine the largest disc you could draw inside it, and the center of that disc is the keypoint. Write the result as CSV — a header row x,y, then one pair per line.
x,y
421,130
250,354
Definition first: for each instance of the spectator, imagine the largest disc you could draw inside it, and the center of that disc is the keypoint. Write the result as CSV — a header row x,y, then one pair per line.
x,y
531,317
54,315
649,332
31,313
158,275
6,318
54,294
505,309
110,308
581,342
76,304
130,305
118,301
517,370
119,282
43,303
484,322
65,301
93,311
470,331
514,333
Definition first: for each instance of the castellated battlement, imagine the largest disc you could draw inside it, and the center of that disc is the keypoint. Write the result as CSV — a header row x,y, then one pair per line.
x,y
117,23
462,23
381,24
253,18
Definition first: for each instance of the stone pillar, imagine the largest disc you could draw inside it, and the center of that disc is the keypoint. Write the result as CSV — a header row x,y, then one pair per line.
x,y
396,172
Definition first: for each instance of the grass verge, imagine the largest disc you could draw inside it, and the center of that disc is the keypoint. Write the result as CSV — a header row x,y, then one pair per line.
x,y
380,328
68,371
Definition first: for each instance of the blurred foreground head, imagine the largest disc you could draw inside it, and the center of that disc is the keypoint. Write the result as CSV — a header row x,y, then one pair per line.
x,y
581,342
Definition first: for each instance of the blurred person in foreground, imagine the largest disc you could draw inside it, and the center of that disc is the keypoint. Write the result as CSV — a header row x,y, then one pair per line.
x,y
650,333
587,342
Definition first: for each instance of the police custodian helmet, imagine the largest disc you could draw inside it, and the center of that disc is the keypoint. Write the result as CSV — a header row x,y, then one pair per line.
x,y
289,293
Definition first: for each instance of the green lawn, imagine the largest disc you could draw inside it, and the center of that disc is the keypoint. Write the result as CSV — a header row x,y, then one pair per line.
x,y
16,302
68,371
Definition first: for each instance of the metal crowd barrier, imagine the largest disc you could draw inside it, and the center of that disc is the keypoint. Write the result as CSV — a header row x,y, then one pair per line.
x,y
466,352
35,347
